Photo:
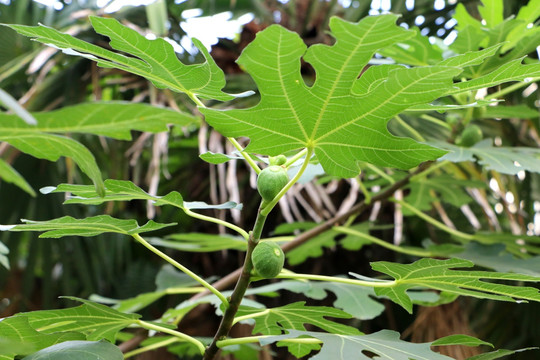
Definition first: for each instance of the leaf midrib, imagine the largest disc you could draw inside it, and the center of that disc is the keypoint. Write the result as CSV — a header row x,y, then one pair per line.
x,y
337,80
381,104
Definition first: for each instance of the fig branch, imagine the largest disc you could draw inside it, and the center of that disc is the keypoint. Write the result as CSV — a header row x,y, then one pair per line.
x,y
229,280
239,290
272,185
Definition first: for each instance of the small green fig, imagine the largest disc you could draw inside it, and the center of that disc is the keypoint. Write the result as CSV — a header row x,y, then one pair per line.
x,y
470,136
271,180
277,160
268,259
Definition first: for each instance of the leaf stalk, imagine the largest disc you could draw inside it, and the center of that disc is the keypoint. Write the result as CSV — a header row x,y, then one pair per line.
x,y
151,347
175,333
414,251
182,268
253,339
227,224
251,316
373,284
434,222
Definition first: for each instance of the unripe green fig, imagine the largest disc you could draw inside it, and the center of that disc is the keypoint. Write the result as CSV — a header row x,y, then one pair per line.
x,y
268,259
470,136
271,180
278,160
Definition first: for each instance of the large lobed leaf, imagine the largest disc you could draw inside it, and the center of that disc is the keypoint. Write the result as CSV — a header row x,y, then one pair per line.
x,y
342,118
90,226
496,257
94,320
51,147
386,344
47,141
10,175
155,60
80,350
295,316
501,353
17,337
506,160
113,119
115,190
439,275
58,334
123,190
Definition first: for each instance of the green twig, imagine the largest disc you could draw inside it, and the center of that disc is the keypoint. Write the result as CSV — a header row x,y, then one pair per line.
x,y
175,333
414,251
246,156
153,346
195,99
227,224
233,141
254,339
513,248
280,239
436,121
380,172
182,268
431,169
296,157
251,316
511,88
433,221
375,283
184,290
365,191
410,129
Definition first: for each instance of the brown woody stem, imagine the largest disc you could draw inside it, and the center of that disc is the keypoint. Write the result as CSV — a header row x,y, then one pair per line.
x,y
239,290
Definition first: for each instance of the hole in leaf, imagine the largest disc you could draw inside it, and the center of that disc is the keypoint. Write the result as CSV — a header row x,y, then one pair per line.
x,y
369,354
